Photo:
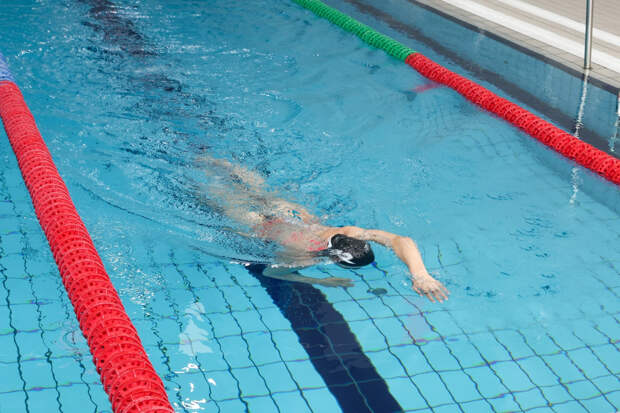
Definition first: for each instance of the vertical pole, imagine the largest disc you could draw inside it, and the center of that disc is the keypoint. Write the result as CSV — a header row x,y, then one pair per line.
x,y
616,136
587,60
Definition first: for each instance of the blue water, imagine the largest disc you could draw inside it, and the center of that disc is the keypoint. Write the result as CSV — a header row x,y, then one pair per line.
x,y
128,95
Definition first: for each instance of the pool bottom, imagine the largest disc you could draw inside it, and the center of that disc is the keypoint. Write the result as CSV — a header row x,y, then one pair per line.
x,y
332,348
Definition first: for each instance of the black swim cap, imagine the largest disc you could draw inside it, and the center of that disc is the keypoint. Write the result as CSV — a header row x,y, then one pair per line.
x,y
350,252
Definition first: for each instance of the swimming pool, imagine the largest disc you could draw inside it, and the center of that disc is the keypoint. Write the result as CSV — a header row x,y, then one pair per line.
x,y
127,96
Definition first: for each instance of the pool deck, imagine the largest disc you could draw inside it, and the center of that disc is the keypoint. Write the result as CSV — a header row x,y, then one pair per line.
x,y
553,28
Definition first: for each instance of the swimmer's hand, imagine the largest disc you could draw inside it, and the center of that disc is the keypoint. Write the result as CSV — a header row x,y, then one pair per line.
x,y
335,282
430,287
407,250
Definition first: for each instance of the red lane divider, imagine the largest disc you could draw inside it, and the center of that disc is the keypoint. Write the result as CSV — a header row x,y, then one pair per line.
x,y
563,142
127,375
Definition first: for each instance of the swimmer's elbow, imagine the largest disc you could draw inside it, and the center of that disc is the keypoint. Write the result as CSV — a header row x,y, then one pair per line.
x,y
350,231
402,242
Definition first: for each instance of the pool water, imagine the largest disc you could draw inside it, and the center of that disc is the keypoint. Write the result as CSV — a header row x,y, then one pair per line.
x,y
128,95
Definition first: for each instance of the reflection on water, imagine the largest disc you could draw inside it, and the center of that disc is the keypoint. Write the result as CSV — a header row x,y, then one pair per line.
x,y
193,339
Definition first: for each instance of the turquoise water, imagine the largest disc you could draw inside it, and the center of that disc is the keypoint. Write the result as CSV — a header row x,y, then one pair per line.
x,y
129,94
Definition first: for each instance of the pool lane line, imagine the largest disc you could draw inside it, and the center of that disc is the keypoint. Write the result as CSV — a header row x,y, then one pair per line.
x,y
331,346
566,144
126,373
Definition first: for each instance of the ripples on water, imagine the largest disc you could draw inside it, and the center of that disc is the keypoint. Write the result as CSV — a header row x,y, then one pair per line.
x,y
130,97
146,105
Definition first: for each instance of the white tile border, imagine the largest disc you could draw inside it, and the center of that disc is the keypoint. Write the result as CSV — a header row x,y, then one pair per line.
x,y
536,32
561,20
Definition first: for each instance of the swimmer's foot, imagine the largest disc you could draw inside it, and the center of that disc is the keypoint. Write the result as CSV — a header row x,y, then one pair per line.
x,y
335,282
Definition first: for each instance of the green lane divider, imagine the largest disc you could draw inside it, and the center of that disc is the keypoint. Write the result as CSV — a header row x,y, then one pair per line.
x,y
368,35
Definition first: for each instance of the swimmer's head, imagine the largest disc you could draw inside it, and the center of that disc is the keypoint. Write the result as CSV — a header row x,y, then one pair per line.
x,y
349,252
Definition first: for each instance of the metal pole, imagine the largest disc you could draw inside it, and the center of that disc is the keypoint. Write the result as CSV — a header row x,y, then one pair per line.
x,y
587,60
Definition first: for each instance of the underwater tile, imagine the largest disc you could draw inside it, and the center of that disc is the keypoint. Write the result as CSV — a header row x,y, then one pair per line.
x,y
321,400
278,378
292,402
515,343
462,387
273,318
608,354
433,389
488,383
37,373
477,406
305,374
289,346
249,320
538,371
489,347
12,378
464,351
43,400
223,385
76,397
512,376
235,351
262,348
369,336
582,389
599,404
406,393
439,356
530,399
386,364
587,362
569,407
563,368
393,330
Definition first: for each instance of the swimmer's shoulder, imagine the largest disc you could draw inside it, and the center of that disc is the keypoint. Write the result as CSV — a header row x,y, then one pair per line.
x,y
328,232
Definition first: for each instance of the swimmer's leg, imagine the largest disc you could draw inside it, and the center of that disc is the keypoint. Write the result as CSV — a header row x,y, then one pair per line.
x,y
251,179
292,274
251,191
232,202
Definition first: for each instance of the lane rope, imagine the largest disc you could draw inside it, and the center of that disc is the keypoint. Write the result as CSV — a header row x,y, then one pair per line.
x,y
566,144
127,375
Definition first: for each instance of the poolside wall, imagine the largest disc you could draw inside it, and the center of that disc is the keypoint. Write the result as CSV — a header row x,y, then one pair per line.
x,y
127,375
564,143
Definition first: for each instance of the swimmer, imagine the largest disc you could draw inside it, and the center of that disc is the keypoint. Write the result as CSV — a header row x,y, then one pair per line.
x,y
303,238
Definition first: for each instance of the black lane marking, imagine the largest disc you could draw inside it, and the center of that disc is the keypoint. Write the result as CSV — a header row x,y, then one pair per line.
x,y
332,347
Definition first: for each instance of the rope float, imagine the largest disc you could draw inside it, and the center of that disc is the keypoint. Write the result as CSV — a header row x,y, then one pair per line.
x,y
568,145
127,375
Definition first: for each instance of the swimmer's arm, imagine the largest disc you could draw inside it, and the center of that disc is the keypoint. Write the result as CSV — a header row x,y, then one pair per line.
x,y
291,274
406,249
